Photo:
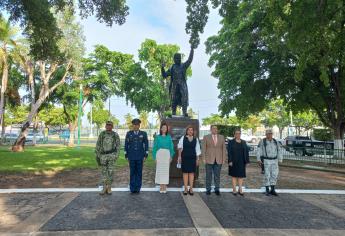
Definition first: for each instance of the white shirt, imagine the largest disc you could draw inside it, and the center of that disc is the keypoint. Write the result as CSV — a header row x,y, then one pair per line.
x,y
197,146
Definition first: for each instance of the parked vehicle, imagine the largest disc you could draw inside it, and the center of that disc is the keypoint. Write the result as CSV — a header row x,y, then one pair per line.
x,y
10,137
296,144
249,138
30,137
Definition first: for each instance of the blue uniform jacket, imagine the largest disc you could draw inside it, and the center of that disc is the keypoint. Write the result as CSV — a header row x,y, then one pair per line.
x,y
136,145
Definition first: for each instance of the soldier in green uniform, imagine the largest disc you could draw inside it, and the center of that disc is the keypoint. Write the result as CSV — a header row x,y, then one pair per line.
x,y
107,152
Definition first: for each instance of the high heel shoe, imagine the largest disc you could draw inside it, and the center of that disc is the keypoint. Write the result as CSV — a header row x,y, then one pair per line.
x,y
191,192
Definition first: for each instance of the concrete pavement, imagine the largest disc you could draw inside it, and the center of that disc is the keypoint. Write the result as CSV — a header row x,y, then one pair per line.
x,y
151,213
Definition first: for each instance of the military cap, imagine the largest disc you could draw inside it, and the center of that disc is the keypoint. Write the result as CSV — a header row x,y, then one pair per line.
x,y
269,131
109,122
136,121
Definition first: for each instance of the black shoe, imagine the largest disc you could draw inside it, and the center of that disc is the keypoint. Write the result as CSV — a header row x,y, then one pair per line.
x,y
234,193
273,191
208,192
217,193
191,193
242,194
185,193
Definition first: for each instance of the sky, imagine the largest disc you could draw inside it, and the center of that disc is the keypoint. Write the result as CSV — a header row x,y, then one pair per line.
x,y
163,21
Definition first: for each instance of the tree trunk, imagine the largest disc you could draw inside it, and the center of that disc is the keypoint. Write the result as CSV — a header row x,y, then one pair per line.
x,y
3,129
72,126
19,143
35,128
4,82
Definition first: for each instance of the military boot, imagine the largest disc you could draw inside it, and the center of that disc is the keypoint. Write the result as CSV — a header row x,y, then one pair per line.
x,y
273,191
104,190
109,189
267,192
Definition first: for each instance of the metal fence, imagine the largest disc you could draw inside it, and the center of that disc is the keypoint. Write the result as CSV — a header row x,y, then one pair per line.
x,y
318,155
325,155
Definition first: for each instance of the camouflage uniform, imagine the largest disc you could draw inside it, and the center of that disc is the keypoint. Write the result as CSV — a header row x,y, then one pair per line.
x,y
271,158
107,152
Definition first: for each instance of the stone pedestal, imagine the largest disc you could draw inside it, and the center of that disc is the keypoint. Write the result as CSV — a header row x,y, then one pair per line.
x,y
177,128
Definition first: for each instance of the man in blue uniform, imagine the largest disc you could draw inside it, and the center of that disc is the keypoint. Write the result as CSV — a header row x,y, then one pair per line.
x,y
136,152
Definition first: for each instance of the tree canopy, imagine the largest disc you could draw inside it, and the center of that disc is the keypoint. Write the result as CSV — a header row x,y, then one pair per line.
x,y
293,50
37,19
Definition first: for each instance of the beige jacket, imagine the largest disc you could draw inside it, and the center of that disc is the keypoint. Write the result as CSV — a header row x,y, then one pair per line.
x,y
211,152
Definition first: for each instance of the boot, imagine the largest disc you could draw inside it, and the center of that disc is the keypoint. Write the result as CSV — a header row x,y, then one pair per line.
x,y
108,189
273,191
104,190
267,193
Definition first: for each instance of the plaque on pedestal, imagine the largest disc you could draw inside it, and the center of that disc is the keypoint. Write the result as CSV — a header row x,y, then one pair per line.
x,y
177,128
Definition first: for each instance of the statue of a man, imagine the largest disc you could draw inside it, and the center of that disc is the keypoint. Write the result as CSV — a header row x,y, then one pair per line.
x,y
178,89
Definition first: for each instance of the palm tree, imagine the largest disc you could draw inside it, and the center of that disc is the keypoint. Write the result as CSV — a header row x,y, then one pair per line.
x,y
144,118
7,42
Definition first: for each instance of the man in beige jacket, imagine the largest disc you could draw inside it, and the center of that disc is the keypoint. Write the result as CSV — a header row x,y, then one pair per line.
x,y
214,155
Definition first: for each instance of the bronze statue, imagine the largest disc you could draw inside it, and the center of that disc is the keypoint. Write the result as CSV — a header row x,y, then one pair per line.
x,y
178,89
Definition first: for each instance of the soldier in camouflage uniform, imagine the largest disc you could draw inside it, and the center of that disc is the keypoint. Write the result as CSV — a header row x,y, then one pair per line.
x,y
107,152
269,150
178,89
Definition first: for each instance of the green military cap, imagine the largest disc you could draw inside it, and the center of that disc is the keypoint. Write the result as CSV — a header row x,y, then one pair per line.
x,y
109,122
136,121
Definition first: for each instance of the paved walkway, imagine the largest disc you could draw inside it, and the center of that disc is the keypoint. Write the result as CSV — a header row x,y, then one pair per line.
x,y
151,213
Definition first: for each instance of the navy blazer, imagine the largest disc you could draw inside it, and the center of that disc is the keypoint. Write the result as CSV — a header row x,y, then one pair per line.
x,y
136,145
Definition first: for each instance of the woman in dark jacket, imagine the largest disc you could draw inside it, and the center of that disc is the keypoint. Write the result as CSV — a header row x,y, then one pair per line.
x,y
238,157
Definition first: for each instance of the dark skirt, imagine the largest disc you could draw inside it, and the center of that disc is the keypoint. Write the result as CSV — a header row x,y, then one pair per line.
x,y
238,170
188,164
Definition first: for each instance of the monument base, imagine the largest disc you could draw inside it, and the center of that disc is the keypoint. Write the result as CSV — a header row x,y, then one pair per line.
x,y
177,128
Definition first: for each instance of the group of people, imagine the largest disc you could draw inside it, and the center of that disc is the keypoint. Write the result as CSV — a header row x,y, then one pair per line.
x,y
214,153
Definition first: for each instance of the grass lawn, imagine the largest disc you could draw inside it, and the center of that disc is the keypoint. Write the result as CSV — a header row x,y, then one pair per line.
x,y
44,158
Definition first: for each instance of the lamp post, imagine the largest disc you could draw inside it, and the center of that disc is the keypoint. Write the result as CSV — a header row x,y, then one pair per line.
x,y
91,131
80,111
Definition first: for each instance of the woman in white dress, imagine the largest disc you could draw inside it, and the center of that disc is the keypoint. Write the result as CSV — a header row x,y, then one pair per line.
x,y
162,153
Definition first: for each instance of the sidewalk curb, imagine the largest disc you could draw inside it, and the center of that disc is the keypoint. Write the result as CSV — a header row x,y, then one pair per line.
x,y
311,168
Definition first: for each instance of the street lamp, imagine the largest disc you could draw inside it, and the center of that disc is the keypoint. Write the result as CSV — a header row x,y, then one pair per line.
x,y
80,111
91,134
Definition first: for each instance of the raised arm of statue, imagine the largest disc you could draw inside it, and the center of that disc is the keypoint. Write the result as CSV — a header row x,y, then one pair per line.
x,y
167,73
190,58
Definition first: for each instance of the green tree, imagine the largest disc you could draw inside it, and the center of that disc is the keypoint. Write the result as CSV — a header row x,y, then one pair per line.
x,y
306,120
144,118
289,49
192,114
252,122
52,116
7,42
39,24
55,72
128,120
276,115
99,116
16,114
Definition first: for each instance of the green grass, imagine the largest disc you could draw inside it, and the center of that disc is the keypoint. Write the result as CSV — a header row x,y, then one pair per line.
x,y
45,158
